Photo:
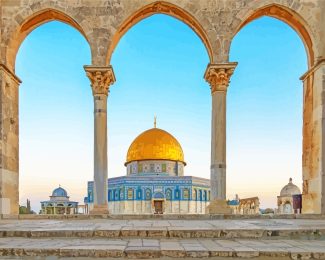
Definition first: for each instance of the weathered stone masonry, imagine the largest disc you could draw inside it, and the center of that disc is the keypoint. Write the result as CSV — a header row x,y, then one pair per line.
x,y
216,22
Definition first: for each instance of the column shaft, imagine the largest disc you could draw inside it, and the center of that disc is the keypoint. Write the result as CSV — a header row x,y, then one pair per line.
x,y
101,78
100,150
218,76
218,146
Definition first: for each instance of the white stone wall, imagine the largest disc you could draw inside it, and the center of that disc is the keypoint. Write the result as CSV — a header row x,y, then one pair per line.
x,y
145,207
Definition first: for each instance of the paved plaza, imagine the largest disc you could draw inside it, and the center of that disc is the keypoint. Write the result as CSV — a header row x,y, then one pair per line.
x,y
163,238
157,248
162,228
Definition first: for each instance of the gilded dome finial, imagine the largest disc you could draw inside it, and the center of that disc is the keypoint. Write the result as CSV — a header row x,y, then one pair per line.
x,y
155,122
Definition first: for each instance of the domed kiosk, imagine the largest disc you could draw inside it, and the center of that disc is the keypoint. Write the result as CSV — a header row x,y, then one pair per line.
x,y
286,198
155,181
59,203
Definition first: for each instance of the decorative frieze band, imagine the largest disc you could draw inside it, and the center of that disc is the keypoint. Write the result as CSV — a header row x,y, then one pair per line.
x,y
218,75
101,78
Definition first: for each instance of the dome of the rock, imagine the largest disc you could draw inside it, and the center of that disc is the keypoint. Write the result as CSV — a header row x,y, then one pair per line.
x,y
155,144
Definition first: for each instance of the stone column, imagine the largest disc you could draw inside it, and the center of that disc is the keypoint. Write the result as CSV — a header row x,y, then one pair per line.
x,y
313,158
218,76
101,78
9,142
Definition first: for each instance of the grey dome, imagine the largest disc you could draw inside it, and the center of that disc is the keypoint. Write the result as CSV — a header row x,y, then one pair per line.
x,y
290,189
59,192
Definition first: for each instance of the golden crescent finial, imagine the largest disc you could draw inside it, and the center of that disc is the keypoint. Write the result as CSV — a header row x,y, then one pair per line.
x,y
155,122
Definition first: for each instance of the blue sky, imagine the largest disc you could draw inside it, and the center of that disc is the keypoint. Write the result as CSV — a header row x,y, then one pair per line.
x,y
159,66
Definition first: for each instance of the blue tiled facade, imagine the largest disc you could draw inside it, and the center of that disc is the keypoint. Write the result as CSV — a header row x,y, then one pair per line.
x,y
173,188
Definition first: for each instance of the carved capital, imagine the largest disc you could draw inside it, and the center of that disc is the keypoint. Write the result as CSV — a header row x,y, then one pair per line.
x,y
101,78
218,75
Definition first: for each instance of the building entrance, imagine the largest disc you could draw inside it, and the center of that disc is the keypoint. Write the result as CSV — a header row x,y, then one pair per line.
x,y
158,204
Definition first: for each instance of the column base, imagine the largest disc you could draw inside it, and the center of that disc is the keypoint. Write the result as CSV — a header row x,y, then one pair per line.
x,y
99,210
218,206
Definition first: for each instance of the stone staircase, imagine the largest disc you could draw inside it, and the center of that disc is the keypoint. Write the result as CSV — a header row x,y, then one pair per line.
x,y
163,238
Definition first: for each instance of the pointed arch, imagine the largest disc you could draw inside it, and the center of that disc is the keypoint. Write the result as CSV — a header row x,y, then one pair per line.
x,y
31,23
288,16
160,7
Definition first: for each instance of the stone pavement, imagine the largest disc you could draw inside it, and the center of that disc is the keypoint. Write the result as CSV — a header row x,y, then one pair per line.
x,y
244,228
163,238
157,248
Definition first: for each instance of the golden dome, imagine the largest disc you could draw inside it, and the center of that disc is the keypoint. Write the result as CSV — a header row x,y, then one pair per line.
x,y
155,144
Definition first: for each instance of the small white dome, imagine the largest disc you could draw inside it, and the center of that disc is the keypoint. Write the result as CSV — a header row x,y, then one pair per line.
x,y
290,189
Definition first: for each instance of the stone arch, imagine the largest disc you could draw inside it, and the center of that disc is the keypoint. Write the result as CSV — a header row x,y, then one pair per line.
x,y
160,7
31,23
158,195
288,16
312,197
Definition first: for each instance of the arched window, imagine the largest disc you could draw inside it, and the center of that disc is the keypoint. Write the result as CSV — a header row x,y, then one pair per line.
x,y
177,195
186,194
168,194
205,195
200,195
148,194
117,194
130,194
287,208
121,194
139,194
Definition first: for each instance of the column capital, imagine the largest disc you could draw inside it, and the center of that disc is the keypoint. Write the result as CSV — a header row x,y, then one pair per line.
x,y
101,78
218,75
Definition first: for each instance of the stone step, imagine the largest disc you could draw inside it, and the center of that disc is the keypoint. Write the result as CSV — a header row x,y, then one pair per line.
x,y
160,248
221,229
303,234
164,216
